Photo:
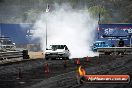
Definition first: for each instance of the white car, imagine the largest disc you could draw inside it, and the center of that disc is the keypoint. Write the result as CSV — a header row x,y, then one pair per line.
x,y
6,44
57,52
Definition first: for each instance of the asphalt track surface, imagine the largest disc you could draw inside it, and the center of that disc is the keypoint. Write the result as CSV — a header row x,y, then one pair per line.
x,y
33,76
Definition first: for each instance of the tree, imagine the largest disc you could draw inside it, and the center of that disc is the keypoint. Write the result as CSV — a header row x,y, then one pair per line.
x,y
73,2
31,15
98,10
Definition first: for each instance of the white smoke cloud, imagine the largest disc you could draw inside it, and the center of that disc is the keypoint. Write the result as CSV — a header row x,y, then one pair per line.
x,y
68,26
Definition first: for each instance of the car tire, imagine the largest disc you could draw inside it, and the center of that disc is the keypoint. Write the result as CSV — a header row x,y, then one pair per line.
x,y
46,58
67,58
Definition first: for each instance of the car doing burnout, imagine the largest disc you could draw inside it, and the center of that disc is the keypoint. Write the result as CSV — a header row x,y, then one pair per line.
x,y
57,52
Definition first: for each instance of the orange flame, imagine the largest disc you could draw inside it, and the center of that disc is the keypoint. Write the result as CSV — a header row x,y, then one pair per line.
x,y
82,71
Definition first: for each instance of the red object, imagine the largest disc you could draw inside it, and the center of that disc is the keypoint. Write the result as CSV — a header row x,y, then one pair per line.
x,y
107,78
46,68
78,62
87,59
65,64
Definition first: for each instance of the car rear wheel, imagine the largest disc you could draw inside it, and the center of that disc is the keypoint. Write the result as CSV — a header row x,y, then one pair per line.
x,y
46,58
67,58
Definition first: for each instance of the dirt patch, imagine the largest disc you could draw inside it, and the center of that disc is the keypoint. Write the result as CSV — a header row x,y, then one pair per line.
x,y
35,55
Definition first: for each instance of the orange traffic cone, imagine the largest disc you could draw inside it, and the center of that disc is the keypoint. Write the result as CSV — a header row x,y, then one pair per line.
x,y
78,62
46,68
19,74
87,59
65,64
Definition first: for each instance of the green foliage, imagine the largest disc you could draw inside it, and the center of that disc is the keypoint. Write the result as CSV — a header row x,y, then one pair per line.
x,y
73,2
96,10
31,15
114,11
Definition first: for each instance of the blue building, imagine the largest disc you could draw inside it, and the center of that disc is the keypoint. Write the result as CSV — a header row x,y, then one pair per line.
x,y
19,33
111,33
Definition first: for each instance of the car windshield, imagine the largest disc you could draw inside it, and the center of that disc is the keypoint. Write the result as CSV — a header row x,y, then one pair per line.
x,y
57,47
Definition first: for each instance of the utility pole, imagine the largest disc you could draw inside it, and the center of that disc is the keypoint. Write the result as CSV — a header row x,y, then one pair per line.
x,y
46,33
47,10
0,29
0,24
98,25
129,37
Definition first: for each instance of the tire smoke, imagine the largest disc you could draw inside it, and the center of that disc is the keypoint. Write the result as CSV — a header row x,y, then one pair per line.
x,y
74,28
